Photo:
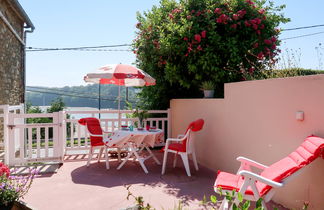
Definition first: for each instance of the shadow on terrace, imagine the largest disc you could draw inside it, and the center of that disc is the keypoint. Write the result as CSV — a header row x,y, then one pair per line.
x,y
94,187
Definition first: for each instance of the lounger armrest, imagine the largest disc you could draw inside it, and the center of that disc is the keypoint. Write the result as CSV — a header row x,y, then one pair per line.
x,y
180,136
174,139
245,163
96,135
256,177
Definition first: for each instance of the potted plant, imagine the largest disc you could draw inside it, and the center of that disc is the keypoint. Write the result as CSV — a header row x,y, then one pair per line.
x,y
208,88
12,187
141,115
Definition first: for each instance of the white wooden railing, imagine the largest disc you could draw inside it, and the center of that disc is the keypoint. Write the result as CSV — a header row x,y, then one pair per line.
x,y
77,137
44,142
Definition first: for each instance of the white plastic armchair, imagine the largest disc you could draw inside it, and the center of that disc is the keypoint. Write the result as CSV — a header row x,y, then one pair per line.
x,y
96,139
183,146
254,186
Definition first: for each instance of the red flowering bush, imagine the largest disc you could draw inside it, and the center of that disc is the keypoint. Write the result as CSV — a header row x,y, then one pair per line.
x,y
184,43
4,170
13,187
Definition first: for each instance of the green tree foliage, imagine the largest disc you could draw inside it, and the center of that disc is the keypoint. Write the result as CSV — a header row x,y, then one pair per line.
x,y
56,106
88,96
184,43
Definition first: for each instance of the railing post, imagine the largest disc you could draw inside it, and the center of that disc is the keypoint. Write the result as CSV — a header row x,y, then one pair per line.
x,y
61,134
56,135
169,124
5,109
10,138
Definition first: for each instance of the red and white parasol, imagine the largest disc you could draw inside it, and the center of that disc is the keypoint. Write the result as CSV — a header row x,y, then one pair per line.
x,y
121,75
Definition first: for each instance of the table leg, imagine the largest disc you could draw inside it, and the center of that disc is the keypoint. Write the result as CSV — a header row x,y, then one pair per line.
x,y
152,155
141,161
130,153
134,152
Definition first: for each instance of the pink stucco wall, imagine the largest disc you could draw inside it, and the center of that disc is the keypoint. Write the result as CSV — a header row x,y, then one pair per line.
x,y
257,119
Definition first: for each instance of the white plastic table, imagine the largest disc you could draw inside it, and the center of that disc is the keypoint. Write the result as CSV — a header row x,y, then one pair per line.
x,y
136,141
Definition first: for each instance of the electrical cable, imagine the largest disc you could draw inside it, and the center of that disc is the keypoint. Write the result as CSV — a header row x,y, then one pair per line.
x,y
304,27
305,35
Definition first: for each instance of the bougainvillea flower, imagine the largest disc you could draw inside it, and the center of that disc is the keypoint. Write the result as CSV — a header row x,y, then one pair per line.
x,y
234,26
261,11
203,34
197,38
267,41
258,20
247,23
260,55
256,45
273,46
218,11
241,13
273,39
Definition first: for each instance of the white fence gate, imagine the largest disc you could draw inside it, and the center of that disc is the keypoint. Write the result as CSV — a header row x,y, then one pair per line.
x,y
32,142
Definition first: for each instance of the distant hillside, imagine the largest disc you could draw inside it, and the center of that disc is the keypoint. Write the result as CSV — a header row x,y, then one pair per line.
x,y
80,96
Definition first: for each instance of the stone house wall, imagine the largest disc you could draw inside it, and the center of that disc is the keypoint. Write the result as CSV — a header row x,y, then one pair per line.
x,y
12,52
11,58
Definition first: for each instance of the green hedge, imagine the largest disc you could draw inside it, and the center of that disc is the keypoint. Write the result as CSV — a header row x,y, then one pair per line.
x,y
269,74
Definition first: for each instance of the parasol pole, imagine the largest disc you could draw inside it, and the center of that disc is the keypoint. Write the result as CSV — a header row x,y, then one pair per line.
x,y
119,118
99,104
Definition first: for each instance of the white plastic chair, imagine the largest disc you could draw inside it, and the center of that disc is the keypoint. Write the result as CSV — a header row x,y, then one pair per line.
x,y
183,146
96,139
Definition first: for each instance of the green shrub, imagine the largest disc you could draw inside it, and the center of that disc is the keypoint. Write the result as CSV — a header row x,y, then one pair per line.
x,y
269,74
183,43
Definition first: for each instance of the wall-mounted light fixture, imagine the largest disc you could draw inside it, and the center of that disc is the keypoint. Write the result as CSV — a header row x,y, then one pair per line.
x,y
300,115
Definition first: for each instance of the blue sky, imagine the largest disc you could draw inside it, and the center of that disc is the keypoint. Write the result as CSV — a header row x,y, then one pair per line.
x,y
76,23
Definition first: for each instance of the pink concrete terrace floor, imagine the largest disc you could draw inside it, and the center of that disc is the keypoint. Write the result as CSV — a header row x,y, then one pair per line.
x,y
75,186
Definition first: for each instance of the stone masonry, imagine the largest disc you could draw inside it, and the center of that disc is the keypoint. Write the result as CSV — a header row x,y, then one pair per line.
x,y
12,85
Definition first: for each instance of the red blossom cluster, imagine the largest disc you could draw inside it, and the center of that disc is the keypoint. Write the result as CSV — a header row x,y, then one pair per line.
x,y
196,41
156,44
162,61
4,170
173,12
223,19
271,44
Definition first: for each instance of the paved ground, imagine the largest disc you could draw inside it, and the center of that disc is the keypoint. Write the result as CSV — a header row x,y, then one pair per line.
x,y
74,186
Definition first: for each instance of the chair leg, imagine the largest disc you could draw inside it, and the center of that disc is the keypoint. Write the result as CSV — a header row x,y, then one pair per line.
x,y
175,160
107,158
194,159
100,154
224,205
118,153
264,205
185,160
164,160
90,156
